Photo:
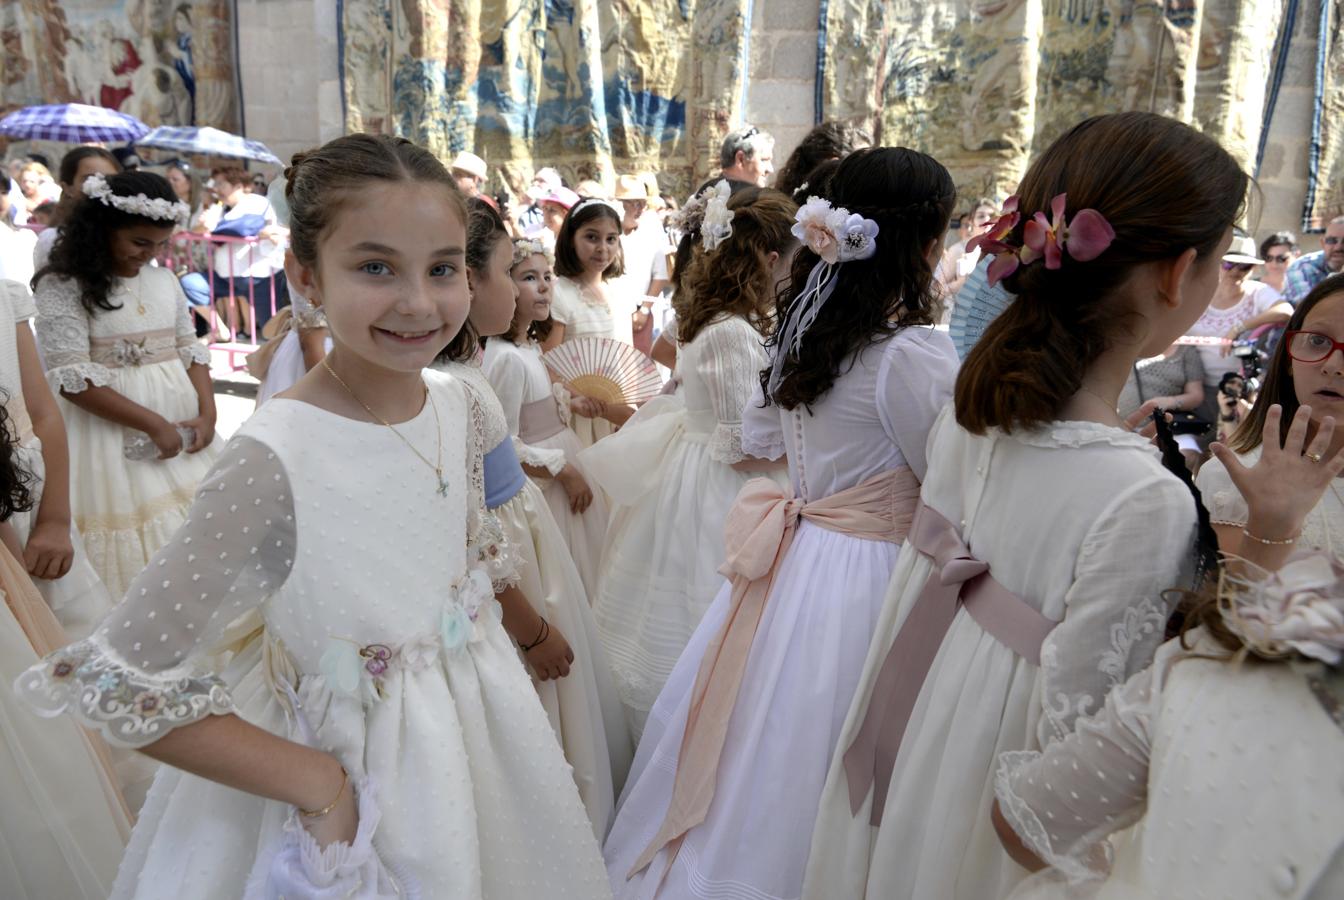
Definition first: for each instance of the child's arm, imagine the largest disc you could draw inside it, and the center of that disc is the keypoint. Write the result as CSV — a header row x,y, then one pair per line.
x,y
49,553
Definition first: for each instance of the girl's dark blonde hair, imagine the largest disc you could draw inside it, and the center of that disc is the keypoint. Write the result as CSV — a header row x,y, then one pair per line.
x,y
1164,187
319,182
733,277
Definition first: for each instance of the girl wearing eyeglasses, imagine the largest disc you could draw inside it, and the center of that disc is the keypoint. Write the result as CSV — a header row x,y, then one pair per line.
x,y
1307,374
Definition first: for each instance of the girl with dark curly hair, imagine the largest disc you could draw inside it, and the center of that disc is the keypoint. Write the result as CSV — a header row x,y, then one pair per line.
x,y
857,378
133,381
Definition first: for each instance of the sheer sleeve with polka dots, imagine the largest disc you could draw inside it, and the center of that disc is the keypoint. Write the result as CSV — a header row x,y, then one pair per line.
x,y
1064,801
145,669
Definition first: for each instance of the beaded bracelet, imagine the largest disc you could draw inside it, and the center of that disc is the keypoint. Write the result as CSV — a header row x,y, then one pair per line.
x,y
1269,543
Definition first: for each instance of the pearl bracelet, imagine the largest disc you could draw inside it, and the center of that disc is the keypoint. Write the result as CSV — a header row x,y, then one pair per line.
x,y
1269,543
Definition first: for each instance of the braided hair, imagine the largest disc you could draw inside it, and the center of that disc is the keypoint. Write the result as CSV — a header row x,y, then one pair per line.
x,y
910,196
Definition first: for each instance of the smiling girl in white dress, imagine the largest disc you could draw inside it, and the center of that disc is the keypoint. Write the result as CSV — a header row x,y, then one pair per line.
x,y
538,412
381,738
121,350
734,754
1048,532
661,567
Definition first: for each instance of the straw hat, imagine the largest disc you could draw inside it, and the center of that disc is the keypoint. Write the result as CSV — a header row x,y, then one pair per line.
x,y
1242,251
630,187
471,164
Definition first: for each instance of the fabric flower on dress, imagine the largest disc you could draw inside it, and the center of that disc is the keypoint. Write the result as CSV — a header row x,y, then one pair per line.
x,y
1299,608
129,353
157,208
717,224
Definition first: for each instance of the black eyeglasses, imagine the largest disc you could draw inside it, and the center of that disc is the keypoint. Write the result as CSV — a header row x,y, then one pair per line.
x,y
1311,346
1278,257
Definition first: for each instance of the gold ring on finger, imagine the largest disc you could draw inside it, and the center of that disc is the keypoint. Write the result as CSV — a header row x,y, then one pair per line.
x,y
1314,457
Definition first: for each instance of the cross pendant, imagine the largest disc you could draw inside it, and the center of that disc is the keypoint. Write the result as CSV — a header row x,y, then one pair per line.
x,y
443,488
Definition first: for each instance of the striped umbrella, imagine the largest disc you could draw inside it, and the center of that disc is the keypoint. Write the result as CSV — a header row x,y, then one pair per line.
x,y
72,123
208,142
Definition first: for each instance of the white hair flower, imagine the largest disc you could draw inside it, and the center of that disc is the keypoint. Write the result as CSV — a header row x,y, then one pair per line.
x,y
834,234
717,225
96,187
1298,608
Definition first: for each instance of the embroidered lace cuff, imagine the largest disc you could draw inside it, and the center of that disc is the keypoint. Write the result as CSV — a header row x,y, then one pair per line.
x,y
77,377
725,444
1086,861
129,708
496,555
550,460
194,352
762,446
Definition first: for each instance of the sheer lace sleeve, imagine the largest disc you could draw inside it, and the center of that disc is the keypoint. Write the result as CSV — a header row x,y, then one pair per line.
x,y
1117,607
1065,800
1225,503
729,363
63,335
762,431
189,348
142,672
914,383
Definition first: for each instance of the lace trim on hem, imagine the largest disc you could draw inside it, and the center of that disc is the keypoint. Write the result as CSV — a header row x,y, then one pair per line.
x,y
1092,863
762,448
78,377
725,444
194,353
128,707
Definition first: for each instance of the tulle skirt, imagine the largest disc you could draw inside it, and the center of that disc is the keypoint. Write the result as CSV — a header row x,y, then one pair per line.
x,y
801,674
127,509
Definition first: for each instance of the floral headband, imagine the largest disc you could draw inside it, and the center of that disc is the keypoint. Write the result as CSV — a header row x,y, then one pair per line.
x,y
97,188
589,201
716,224
837,236
523,248
1299,608
1085,237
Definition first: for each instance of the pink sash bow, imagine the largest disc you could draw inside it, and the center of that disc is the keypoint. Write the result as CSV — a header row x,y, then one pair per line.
x,y
958,579
757,534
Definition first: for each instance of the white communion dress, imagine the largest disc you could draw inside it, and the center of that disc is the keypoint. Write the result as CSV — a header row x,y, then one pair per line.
x,y
583,707
1089,533
78,599
586,315
1233,773
538,415
125,509
381,644
669,475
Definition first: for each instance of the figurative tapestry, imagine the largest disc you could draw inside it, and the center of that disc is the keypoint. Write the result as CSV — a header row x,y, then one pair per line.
x,y
588,86
166,62
985,84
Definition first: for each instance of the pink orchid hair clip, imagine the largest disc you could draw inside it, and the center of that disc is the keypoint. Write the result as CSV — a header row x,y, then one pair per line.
x,y
1084,237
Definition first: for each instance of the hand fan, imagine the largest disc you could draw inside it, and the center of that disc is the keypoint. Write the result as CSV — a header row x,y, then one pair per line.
x,y
605,369
977,305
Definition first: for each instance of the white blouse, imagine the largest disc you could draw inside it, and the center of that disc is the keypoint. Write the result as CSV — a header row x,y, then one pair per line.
x,y
586,316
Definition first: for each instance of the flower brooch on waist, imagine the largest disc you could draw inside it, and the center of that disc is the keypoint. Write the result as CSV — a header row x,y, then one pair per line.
x,y
1084,237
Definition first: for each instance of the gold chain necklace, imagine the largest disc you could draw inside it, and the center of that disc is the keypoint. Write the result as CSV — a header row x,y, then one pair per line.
x,y
139,303
438,468
1104,402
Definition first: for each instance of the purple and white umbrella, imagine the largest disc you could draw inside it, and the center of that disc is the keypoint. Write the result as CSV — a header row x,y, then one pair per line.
x,y
208,142
72,123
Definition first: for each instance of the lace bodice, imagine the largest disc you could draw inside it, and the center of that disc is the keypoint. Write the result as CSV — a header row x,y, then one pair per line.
x,y
70,337
875,417
316,541
720,368
1322,530
1189,745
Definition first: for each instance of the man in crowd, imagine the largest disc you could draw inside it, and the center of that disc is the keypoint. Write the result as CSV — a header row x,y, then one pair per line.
x,y
470,173
645,248
1308,271
747,156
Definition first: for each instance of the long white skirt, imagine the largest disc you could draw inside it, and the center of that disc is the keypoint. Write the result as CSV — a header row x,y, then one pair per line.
x,y
801,674
583,707
127,509
660,571
585,533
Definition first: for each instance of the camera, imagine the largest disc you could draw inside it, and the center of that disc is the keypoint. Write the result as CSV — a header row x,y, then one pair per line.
x,y
1252,365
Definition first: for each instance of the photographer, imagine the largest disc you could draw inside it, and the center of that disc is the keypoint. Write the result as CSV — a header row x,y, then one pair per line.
x,y
1174,382
1233,404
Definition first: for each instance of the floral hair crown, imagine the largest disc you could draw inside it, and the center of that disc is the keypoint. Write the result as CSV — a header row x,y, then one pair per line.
x,y
1298,609
837,236
716,223
526,247
1085,237
96,187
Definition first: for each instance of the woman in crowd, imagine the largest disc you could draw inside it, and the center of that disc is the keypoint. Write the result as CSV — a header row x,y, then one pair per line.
x,y
1278,251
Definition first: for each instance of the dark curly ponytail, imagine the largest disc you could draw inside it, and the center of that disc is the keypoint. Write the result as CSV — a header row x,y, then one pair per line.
x,y
15,494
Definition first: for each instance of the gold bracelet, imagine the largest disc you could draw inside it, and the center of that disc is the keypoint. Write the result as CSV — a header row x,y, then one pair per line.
x,y
319,813
1268,543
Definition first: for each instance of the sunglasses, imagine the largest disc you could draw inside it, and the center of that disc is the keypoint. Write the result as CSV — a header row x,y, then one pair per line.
x,y
1311,346
1278,257
1331,241
1238,267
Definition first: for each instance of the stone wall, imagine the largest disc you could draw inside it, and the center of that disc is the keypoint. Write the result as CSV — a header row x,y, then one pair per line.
x,y
1283,171
783,69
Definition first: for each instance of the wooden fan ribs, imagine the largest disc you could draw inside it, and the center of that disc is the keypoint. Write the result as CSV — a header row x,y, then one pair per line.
x,y
605,369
